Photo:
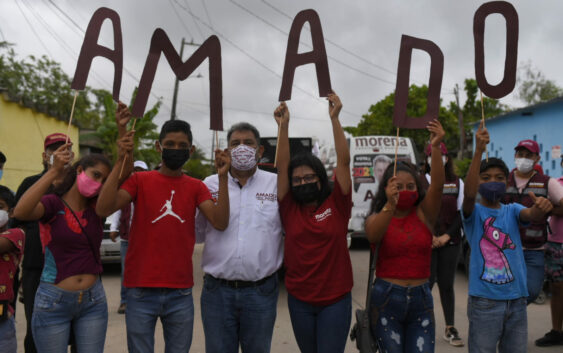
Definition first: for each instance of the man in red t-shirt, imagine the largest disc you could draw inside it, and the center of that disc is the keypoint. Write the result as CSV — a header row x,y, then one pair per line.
x,y
158,267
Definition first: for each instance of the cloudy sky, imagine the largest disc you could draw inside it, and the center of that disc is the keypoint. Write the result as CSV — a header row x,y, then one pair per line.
x,y
362,40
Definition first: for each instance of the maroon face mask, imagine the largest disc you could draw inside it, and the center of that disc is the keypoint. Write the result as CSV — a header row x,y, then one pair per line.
x,y
407,199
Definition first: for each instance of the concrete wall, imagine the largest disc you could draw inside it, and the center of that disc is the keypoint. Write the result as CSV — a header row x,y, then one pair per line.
x,y
22,133
544,124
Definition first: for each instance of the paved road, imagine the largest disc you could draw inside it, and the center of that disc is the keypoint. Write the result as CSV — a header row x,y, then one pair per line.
x,y
284,341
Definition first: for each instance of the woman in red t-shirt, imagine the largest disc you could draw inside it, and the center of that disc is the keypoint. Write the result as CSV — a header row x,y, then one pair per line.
x,y
318,269
402,309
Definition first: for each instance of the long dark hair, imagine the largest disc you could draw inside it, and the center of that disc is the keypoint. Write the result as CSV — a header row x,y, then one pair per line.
x,y
381,198
308,159
85,162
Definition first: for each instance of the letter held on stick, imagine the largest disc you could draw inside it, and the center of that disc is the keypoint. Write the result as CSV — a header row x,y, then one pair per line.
x,y
509,79
400,117
211,48
316,56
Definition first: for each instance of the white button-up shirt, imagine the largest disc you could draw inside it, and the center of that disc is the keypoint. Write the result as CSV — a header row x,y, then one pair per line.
x,y
251,247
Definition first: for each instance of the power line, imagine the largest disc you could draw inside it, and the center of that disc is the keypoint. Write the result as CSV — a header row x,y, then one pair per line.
x,y
191,13
206,12
180,20
250,56
33,29
334,43
309,46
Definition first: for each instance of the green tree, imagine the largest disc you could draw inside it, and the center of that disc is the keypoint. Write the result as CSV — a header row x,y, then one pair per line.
x,y
41,84
145,129
197,166
472,107
379,119
533,87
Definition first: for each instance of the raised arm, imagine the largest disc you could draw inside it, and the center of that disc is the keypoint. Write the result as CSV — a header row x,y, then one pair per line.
x,y
112,198
29,207
377,223
281,114
218,214
342,169
433,199
472,179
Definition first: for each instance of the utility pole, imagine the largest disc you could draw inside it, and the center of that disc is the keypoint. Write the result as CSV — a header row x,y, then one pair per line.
x,y
461,125
175,96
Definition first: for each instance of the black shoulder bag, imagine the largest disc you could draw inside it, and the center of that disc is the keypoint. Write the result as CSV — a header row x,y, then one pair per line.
x,y
361,332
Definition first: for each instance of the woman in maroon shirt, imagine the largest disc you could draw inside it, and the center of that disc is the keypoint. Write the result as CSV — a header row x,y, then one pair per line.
x,y
319,272
402,309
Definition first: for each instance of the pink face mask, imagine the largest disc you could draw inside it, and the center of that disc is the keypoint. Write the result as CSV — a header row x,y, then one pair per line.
x,y
87,186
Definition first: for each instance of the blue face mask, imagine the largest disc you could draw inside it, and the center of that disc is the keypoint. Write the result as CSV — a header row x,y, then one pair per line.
x,y
492,191
1,172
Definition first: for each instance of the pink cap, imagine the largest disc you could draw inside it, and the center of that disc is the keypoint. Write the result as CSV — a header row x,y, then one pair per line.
x,y
54,138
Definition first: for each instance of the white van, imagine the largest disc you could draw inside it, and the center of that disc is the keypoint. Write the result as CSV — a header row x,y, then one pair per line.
x,y
370,156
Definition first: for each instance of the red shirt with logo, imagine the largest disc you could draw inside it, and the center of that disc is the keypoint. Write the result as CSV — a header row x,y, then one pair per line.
x,y
317,260
162,236
9,263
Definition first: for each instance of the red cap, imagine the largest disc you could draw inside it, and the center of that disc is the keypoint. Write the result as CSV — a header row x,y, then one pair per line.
x,y
443,148
530,145
54,138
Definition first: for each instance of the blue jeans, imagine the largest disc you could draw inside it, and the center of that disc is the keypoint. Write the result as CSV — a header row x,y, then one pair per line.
x,y
233,316
320,328
535,269
56,309
123,250
174,307
402,318
493,323
8,342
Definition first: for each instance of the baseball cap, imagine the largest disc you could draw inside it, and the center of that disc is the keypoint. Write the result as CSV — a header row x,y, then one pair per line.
x,y
493,162
140,164
530,145
443,148
55,138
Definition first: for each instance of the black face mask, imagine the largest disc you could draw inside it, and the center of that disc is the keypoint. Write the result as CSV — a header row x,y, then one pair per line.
x,y
306,193
175,159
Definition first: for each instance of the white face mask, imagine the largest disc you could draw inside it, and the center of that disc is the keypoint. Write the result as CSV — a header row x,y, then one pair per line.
x,y
4,218
243,157
524,165
444,160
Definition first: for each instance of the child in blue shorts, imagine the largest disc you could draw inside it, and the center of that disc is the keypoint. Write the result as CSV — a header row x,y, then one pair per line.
x,y
497,275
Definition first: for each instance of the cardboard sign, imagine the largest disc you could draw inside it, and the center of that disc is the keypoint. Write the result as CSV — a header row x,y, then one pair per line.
x,y
400,117
556,152
211,48
91,49
511,16
316,56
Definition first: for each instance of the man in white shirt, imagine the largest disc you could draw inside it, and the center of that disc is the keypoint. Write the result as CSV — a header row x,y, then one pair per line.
x,y
240,291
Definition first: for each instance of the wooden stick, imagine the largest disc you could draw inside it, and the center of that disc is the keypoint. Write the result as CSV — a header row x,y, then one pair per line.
x,y
277,146
483,120
396,153
216,139
125,158
71,114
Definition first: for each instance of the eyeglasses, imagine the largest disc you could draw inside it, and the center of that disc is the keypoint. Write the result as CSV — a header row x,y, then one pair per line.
x,y
307,178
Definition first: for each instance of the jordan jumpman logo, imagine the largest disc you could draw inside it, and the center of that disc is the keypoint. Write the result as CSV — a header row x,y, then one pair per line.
x,y
168,206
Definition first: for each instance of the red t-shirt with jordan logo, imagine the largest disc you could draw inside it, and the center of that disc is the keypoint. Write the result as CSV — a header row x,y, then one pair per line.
x,y
162,236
